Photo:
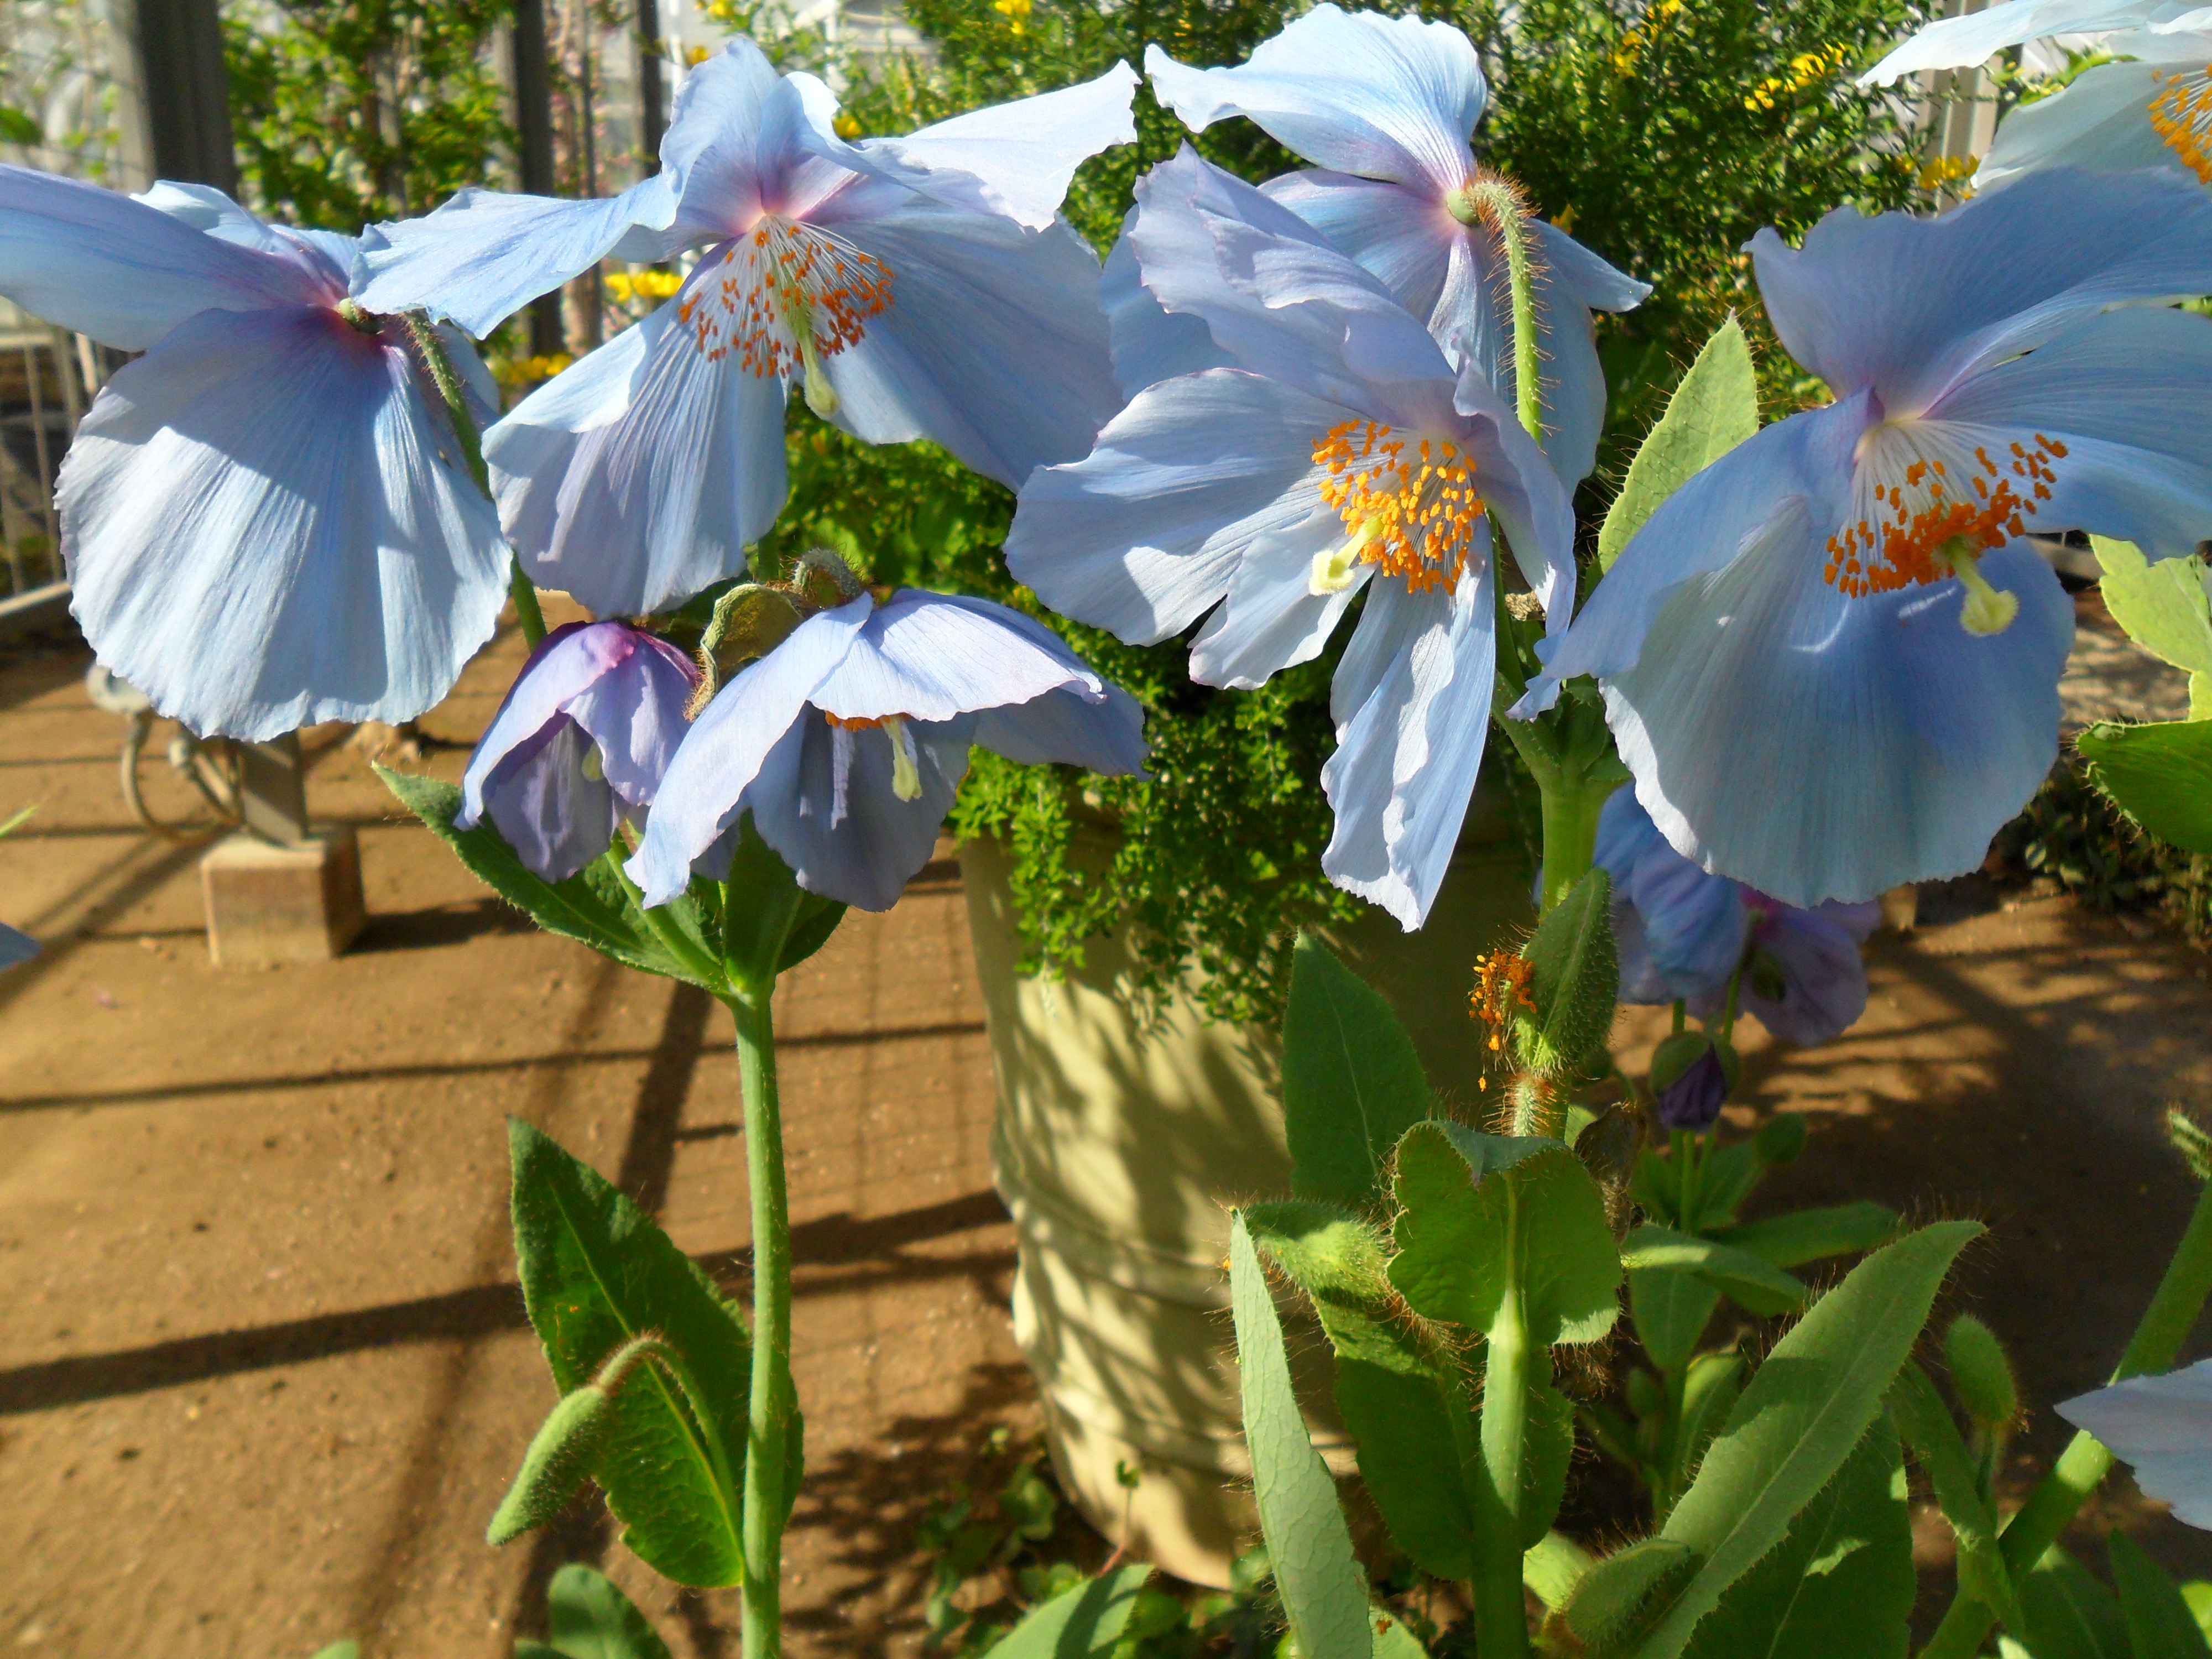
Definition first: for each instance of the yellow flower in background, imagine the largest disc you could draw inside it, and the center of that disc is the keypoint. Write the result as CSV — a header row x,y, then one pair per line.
x,y
846,126
1943,172
1807,69
1631,43
528,371
642,285
1014,11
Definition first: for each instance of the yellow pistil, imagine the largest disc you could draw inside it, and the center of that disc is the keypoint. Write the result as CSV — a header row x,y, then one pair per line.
x,y
1409,506
906,764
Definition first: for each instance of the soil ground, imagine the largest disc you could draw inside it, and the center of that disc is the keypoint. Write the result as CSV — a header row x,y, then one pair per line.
x,y
264,1370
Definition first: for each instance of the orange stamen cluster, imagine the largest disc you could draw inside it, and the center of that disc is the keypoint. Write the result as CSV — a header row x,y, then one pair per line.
x,y
857,723
1413,514
1904,532
2181,115
1501,990
777,280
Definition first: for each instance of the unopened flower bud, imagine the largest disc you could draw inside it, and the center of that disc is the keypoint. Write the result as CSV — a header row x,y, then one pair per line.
x,y
1981,1373
560,1457
1694,1100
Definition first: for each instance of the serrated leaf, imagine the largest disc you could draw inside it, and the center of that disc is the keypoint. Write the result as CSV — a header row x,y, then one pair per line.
x,y
2067,1614
2159,1622
595,1273
1351,1082
1324,1592
1086,1618
591,1619
1841,1585
589,907
1554,1567
1710,1387
1714,409
1803,1236
1801,1416
1671,1310
2159,775
1574,980
1752,1281
2163,607
1458,1190
1926,1423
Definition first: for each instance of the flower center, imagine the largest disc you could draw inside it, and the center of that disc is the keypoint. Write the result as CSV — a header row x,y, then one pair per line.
x,y
786,295
1413,514
906,764
1924,507
2181,115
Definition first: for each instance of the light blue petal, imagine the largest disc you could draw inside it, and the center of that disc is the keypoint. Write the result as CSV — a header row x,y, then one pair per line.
x,y
564,664
1910,307
546,807
747,141
89,259
1150,344
2161,1426
2100,120
635,713
1071,728
993,344
1275,291
1400,233
267,526
1962,42
1405,766
1384,97
706,786
1271,617
485,254
1816,746
931,658
1144,535
2127,393
211,212
1689,926
15,947
1015,160
641,480
1521,492
866,857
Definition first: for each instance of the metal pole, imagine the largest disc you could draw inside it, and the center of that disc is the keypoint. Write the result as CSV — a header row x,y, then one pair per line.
x,y
533,126
652,117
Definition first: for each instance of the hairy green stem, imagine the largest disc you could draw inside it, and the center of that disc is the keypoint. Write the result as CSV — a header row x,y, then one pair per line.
x,y
1570,808
1494,201
1500,1615
771,1406
2085,1462
673,938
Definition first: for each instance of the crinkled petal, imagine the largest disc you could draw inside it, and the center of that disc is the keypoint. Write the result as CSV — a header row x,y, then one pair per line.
x,y
546,807
2101,120
706,786
1272,618
1404,766
1817,746
126,273
1384,97
739,127
642,479
15,947
267,525
1401,234
1144,535
993,343
931,658
2161,1426
1015,160
635,715
325,254
2126,394
866,857
1962,42
1151,344
1910,307
566,663
1104,733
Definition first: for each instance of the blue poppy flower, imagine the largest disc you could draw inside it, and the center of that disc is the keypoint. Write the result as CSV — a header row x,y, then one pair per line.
x,y
1339,454
1965,41
266,518
2153,109
579,743
2161,1427
848,740
916,287
1385,105
15,946
1682,935
1831,660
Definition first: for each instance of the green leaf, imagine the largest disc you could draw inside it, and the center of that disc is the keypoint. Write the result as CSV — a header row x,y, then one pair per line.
x,y
1574,981
592,1620
1458,1191
1351,1082
1802,1236
817,920
2164,609
2197,1594
1710,1388
595,1273
568,1444
1077,1622
1926,1423
1727,1178
1554,1567
17,127
1841,1585
1751,1280
1394,1641
2160,1624
2068,1615
1619,1596
2159,775
589,907
1801,1416
1714,409
1671,1310
343,1650
1324,1592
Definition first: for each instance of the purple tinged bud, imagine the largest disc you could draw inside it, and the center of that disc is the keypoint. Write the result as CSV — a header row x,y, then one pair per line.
x,y
1694,1100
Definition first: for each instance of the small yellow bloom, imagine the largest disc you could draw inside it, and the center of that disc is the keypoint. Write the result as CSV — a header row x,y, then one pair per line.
x,y
528,371
1013,10
846,126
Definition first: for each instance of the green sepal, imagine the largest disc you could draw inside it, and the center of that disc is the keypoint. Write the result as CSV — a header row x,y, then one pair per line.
x,y
1574,981
1714,409
2159,775
1351,1081
591,1619
815,919
1086,1618
596,1273
1981,1373
589,907
1925,1422
2159,1623
561,1455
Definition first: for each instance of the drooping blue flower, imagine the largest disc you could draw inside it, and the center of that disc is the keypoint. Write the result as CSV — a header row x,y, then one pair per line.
x,y
1964,41
15,946
848,740
917,287
266,518
1339,454
1830,660
1694,1100
1683,934
578,745
2151,109
1385,106
2160,1426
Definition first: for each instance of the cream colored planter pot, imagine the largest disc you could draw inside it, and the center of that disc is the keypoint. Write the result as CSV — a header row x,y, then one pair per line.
x,y
1120,1147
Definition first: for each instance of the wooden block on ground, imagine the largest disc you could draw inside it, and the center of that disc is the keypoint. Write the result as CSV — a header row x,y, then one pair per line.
x,y
270,904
